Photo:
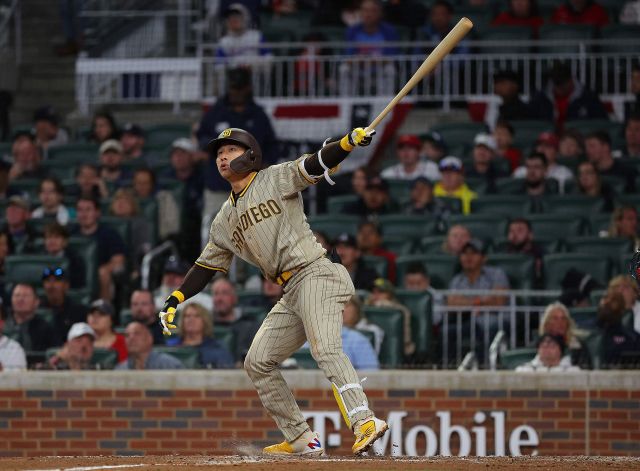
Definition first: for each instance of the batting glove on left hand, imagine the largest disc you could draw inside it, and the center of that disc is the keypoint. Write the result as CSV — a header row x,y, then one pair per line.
x,y
168,313
361,137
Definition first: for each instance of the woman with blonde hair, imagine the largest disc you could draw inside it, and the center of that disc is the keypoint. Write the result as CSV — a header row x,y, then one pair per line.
x,y
196,330
624,224
556,320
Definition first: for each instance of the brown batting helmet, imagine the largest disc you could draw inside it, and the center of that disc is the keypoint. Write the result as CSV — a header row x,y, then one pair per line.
x,y
250,161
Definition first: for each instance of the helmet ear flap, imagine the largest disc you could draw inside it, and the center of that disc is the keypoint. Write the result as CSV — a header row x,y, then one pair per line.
x,y
245,163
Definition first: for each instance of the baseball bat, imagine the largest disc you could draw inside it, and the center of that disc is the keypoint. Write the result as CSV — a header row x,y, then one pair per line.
x,y
445,46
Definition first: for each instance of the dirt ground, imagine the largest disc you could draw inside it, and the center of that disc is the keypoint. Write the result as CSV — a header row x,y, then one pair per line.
x,y
241,463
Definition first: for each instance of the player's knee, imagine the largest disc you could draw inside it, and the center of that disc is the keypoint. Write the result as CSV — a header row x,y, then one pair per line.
x,y
257,364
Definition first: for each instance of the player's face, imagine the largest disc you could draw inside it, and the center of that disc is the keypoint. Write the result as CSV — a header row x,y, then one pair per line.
x,y
226,154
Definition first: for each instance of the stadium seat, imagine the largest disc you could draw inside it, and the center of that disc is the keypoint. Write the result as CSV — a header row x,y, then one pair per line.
x,y
257,313
5,151
628,200
250,298
511,359
125,316
76,153
595,346
526,132
453,204
60,169
165,134
573,204
85,248
519,268
611,247
623,38
452,133
440,267
371,337
430,244
399,190
225,336
561,225
557,265
586,126
120,225
304,359
482,226
420,304
27,187
333,224
336,204
149,210
398,245
504,205
410,227
565,37
585,317
517,186
189,356
46,314
389,320
379,264
617,184
103,358
506,36
599,223
478,184
28,268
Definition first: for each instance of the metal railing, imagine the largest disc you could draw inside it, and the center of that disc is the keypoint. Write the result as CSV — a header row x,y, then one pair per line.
x,y
11,12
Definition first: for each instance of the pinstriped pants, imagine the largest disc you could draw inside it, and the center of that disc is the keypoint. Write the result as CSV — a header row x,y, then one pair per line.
x,y
310,309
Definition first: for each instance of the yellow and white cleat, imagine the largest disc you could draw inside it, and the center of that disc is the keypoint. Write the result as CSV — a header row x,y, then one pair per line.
x,y
367,433
308,444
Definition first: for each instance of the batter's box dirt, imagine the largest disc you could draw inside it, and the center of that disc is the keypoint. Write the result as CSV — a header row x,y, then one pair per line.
x,y
241,463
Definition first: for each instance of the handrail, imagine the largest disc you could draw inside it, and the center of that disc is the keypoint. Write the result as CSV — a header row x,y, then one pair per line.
x,y
15,13
145,267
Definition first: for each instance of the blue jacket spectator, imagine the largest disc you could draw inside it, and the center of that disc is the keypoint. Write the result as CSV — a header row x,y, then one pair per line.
x,y
359,350
372,30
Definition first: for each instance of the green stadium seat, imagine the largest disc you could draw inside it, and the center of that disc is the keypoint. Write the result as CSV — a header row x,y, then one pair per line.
x,y
257,313
46,314
599,223
333,33
507,37
482,226
165,134
516,186
611,247
519,268
86,248
564,37
431,244
595,346
420,303
280,34
80,296
28,186
334,224
511,359
28,268
250,298
453,204
125,316
77,153
304,359
557,265
399,190
617,184
586,126
60,169
573,204
504,205
624,38
441,268
371,337
379,264
120,225
452,133
561,225
5,151
103,358
478,184
149,210
398,245
527,132
337,204
189,356
389,320
410,227
585,317
628,200
225,336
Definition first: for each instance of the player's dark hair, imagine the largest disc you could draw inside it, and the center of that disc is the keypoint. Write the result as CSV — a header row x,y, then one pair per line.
x,y
524,221
601,135
538,156
416,268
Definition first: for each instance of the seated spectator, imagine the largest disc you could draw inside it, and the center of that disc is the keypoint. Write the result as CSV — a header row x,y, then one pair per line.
x,y
556,320
32,332
353,318
103,127
196,330
571,144
624,223
520,240
630,12
629,291
549,358
536,184
374,202
132,141
5,167
125,206
144,311
598,150
347,249
589,183
356,346
483,164
101,317
455,240
369,240
585,12
77,352
173,275
507,104
503,135
423,202
521,13
383,295
576,288
48,132
89,184
547,144
565,99
26,159
65,312
5,250
227,313
139,342
21,236
621,345
632,136
271,292
56,243
144,188
111,160
416,278
410,166
12,356
439,24
433,147
241,44
51,193
633,107
359,179
452,184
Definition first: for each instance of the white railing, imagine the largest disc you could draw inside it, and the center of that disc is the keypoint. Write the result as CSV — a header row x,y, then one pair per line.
x,y
9,13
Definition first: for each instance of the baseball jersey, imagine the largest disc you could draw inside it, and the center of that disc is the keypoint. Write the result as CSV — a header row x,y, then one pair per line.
x,y
265,225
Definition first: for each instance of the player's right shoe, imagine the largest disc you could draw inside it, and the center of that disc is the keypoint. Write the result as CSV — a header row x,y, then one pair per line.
x,y
308,444
367,433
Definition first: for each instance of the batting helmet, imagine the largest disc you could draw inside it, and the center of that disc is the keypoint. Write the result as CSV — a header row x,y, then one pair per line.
x,y
249,161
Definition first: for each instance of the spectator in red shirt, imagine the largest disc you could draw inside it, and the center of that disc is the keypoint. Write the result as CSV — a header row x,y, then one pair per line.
x,y
503,134
584,12
370,243
521,13
101,317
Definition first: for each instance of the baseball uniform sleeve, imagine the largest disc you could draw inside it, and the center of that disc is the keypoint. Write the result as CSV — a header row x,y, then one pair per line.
x,y
214,256
292,177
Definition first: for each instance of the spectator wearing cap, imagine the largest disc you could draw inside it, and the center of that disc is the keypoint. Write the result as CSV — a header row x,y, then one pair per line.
x,y
145,190
235,109
433,147
503,135
565,99
48,132
241,44
196,330
506,105
350,256
103,127
483,164
110,247
598,150
416,278
65,312
51,193
12,356
173,275
32,332
410,166
111,160
132,141
26,159
547,144
452,184
101,317
21,235
549,358
143,310
521,13
374,202
139,342
77,352
369,239
584,12
56,244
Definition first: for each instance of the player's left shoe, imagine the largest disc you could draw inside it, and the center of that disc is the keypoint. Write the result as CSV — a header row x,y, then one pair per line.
x,y
367,433
308,444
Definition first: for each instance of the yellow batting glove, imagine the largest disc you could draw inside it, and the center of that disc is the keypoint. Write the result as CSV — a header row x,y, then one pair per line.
x,y
361,137
168,313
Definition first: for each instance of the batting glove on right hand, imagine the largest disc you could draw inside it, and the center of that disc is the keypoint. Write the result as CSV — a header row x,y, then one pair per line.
x,y
361,137
168,313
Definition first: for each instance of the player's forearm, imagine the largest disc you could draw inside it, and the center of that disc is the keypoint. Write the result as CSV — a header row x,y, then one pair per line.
x,y
332,155
195,281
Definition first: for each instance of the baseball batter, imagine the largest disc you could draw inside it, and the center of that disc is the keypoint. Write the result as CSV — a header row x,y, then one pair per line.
x,y
263,222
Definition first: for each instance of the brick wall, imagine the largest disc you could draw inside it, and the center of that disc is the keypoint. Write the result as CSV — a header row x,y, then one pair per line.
x,y
42,414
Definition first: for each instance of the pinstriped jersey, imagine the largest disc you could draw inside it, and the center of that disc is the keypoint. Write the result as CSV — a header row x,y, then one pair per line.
x,y
265,225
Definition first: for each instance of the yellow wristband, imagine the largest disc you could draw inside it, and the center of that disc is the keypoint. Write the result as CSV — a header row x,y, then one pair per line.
x,y
344,143
178,295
